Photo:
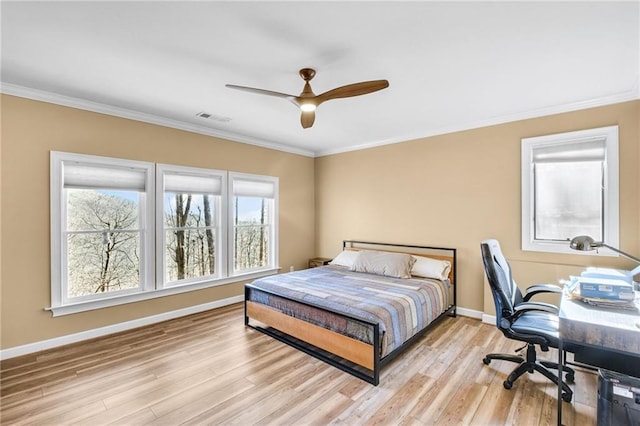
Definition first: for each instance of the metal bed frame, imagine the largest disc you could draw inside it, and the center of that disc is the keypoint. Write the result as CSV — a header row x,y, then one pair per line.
x,y
369,375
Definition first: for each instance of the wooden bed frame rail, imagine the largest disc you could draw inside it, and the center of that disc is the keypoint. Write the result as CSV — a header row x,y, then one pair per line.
x,y
351,355
348,354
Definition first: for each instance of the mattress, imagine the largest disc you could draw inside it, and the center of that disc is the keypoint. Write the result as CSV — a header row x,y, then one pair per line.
x,y
349,302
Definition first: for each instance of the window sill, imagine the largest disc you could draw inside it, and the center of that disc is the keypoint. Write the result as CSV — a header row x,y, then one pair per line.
x,y
563,248
148,295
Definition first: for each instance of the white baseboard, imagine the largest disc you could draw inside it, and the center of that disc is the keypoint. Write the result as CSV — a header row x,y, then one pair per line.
x,y
115,328
489,319
469,313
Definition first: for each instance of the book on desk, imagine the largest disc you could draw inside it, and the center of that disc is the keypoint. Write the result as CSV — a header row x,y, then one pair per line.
x,y
604,287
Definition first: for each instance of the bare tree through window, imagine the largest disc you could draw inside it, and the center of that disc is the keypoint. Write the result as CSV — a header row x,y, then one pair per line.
x,y
189,236
103,242
251,232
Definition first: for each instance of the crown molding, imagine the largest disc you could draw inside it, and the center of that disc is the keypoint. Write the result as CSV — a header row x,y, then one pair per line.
x,y
54,98
67,101
631,95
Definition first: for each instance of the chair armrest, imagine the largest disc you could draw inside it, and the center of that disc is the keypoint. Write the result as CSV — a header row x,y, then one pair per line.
x,y
541,288
536,306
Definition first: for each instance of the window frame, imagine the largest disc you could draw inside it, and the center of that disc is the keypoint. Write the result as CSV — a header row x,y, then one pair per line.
x,y
611,224
273,241
152,277
220,216
59,201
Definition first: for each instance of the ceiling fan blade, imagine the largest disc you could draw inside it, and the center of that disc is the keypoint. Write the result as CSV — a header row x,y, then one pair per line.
x,y
307,118
307,101
262,92
350,90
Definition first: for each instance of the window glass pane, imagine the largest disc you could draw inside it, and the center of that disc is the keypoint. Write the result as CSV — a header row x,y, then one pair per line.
x,y
188,210
102,262
101,257
190,235
568,200
190,253
90,209
252,220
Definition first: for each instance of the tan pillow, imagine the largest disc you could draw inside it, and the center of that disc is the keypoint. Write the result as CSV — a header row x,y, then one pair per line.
x,y
397,265
430,268
345,258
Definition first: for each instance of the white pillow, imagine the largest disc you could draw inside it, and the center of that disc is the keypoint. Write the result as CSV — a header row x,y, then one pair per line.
x,y
397,265
427,267
345,258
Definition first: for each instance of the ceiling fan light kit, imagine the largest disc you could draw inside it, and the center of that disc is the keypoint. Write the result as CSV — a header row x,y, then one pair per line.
x,y
308,101
308,107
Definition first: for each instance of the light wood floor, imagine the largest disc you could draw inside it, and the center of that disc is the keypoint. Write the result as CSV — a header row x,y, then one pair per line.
x,y
209,369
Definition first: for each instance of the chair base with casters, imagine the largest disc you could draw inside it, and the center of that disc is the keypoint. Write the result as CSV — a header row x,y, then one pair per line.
x,y
531,364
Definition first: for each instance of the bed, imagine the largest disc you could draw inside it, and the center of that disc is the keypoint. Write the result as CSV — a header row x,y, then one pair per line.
x,y
362,310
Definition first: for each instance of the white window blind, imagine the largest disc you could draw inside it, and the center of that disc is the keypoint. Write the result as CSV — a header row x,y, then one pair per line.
x,y
570,152
90,176
253,188
184,183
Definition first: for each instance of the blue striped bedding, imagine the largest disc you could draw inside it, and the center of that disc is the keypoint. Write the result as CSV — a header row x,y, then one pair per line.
x,y
402,307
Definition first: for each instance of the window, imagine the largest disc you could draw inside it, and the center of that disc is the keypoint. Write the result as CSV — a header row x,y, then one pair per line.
x,y
189,212
123,231
253,212
570,188
101,242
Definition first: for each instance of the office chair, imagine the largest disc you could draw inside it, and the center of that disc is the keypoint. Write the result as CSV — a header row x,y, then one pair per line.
x,y
534,323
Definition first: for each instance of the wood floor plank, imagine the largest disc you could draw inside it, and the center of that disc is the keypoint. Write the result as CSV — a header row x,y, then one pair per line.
x,y
307,397
549,414
83,393
70,414
208,368
495,406
397,408
528,400
190,403
139,418
325,410
222,412
462,407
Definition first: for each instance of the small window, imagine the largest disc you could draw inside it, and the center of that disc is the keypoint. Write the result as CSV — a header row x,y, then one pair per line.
x,y
190,213
253,214
569,188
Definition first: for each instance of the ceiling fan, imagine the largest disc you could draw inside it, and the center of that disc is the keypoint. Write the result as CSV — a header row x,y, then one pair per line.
x,y
308,101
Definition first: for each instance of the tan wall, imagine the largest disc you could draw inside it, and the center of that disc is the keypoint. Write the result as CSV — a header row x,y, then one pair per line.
x,y
455,190
450,190
30,130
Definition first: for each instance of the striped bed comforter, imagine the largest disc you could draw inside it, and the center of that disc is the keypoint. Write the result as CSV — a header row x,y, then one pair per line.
x,y
401,307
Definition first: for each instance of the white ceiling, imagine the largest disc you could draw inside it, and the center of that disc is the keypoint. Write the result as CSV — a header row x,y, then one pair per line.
x,y
451,65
